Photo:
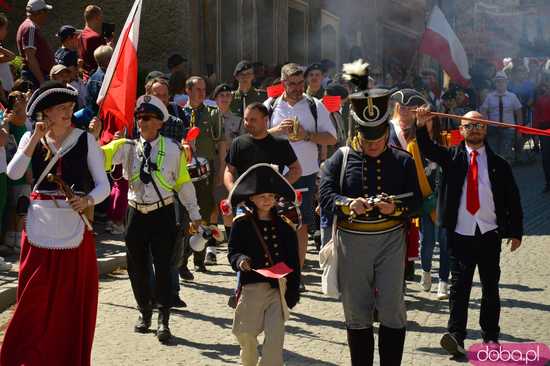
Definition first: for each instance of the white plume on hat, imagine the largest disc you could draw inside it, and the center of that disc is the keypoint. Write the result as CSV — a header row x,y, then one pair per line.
x,y
357,72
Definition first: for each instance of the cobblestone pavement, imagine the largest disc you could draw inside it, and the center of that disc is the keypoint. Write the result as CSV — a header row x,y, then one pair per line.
x,y
315,332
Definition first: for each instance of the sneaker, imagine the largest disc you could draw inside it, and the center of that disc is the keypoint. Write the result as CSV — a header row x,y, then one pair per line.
x,y
452,345
117,229
185,274
426,281
210,259
442,293
4,266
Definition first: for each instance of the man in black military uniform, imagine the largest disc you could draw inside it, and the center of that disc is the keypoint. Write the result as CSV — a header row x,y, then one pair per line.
x,y
245,94
370,236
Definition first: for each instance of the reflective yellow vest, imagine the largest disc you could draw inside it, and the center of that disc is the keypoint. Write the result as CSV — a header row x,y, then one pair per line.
x,y
111,149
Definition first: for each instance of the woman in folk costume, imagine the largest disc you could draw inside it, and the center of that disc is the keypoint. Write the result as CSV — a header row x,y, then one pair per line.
x,y
261,240
55,315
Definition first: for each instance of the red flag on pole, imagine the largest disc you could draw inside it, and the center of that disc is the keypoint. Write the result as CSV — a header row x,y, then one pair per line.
x,y
117,97
441,42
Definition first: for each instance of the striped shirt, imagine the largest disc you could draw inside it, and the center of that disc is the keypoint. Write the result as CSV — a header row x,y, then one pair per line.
x,y
30,36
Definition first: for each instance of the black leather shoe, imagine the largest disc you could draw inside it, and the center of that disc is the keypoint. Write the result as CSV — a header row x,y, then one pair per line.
x,y
163,331
201,268
178,303
186,274
232,301
144,322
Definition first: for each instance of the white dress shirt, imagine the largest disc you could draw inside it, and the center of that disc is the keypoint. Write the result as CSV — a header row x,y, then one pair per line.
x,y
485,217
127,155
306,151
510,104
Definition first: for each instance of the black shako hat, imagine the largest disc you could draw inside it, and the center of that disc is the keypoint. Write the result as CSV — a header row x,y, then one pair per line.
x,y
370,108
258,179
242,66
50,93
409,97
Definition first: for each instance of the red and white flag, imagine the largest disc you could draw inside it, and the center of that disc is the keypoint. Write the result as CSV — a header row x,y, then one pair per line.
x,y
117,97
440,42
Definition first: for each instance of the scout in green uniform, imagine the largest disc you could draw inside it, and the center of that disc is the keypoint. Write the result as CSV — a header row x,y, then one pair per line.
x,y
245,94
207,145
314,77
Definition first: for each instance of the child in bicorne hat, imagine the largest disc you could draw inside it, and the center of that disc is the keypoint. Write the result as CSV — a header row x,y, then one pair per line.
x,y
263,246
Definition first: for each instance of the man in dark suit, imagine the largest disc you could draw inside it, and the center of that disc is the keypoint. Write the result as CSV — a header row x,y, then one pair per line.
x,y
480,206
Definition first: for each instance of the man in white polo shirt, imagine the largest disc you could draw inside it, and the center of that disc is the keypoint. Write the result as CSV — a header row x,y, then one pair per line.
x,y
503,106
314,129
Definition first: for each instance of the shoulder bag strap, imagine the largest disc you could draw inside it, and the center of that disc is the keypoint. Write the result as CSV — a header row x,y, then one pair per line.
x,y
260,238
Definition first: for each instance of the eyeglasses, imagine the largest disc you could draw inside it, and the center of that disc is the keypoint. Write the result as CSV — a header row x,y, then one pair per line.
x,y
477,126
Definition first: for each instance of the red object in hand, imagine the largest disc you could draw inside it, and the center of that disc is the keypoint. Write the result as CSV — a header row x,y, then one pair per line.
x,y
456,137
225,207
192,134
278,270
275,91
298,198
333,103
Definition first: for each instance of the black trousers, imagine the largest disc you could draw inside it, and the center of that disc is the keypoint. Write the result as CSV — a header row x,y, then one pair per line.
x,y
465,253
153,234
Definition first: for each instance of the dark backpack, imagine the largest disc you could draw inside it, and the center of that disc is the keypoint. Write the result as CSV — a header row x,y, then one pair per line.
x,y
310,101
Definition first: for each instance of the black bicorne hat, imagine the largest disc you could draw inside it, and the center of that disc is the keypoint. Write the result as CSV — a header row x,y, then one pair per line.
x,y
50,93
409,97
258,179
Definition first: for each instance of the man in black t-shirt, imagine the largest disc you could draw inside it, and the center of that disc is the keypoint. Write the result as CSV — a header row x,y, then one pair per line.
x,y
258,146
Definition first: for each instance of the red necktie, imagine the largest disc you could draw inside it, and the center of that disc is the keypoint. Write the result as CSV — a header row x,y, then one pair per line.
x,y
472,191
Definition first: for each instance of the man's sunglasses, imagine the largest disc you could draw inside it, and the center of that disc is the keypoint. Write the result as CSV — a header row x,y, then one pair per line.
x,y
477,126
145,117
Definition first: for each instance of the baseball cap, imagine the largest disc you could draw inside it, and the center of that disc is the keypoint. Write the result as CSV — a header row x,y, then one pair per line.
x,y
38,5
501,75
66,31
57,69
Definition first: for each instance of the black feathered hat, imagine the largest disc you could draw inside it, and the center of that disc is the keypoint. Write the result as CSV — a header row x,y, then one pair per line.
x,y
370,108
50,93
258,179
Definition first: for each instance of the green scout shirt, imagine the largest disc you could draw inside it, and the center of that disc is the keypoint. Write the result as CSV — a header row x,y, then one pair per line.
x,y
319,94
241,100
211,130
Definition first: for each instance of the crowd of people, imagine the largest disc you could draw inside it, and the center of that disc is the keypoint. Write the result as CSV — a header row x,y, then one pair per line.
x,y
378,178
